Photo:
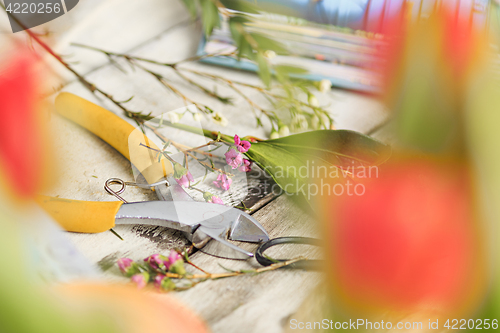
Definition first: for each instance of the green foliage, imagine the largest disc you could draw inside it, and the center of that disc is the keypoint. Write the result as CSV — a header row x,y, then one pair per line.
x,y
260,49
286,70
209,16
209,13
287,159
241,6
264,71
250,45
191,6
264,43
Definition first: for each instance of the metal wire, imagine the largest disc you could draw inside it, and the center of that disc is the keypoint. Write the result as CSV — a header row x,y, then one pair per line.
x,y
114,181
124,184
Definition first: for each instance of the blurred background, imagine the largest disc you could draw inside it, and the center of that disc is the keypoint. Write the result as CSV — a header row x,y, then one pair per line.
x,y
419,75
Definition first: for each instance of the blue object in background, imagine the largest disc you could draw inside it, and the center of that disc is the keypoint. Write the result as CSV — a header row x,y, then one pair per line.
x,y
366,15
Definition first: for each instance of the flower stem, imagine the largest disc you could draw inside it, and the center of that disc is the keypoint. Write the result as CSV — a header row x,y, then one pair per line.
x,y
213,276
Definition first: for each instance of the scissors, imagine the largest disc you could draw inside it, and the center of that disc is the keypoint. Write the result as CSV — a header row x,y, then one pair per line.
x,y
208,226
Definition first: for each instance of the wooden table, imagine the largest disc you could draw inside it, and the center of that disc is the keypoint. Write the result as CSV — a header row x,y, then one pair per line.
x,y
162,30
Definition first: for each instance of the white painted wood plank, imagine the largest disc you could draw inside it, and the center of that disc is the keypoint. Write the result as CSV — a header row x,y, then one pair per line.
x,y
258,303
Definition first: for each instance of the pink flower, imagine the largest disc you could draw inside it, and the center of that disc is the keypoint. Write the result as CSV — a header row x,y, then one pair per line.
x,y
182,175
216,200
176,263
242,145
233,158
246,166
128,267
155,261
124,264
140,279
223,182
209,197
158,280
184,180
162,282
173,257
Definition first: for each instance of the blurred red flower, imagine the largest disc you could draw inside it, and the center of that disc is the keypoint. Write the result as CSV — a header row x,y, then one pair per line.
x,y
409,241
21,143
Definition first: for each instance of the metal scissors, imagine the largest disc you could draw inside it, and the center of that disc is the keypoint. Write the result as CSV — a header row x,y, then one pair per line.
x,y
208,226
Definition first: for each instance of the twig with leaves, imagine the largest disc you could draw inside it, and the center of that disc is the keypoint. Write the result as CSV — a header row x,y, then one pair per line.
x,y
169,273
316,117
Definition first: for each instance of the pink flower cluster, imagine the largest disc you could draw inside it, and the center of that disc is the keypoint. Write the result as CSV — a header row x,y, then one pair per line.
x,y
242,145
157,261
223,182
155,268
234,156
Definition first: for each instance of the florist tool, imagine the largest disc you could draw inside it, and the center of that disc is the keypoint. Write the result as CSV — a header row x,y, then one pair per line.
x,y
301,264
208,226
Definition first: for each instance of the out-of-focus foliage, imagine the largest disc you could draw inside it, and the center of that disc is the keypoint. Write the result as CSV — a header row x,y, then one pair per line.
x,y
286,159
422,241
250,45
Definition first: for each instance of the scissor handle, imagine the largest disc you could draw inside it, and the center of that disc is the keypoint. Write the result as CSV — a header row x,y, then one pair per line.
x,y
301,264
122,136
81,216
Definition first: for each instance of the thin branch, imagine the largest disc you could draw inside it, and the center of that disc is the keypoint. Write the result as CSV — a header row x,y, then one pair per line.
x,y
90,86
213,276
151,61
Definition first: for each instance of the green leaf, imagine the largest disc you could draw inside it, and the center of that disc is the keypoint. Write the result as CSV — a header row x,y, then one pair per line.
x,y
209,16
264,71
245,50
259,122
241,6
290,69
191,6
237,33
283,166
288,159
337,146
266,43
236,28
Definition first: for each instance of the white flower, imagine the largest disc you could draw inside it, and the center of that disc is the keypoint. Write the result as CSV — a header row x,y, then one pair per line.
x,y
299,123
325,85
269,54
284,131
219,119
317,124
274,135
313,101
173,117
197,116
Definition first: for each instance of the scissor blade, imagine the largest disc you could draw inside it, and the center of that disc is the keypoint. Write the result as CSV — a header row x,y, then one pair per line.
x,y
245,230
220,247
200,218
